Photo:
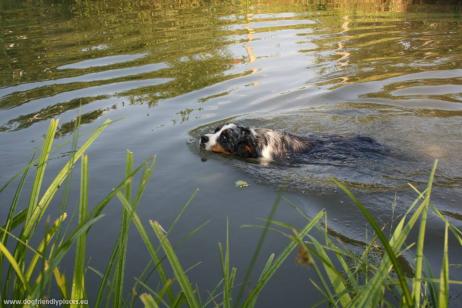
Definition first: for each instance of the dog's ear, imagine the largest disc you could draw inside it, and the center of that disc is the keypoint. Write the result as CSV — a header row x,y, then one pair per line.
x,y
246,146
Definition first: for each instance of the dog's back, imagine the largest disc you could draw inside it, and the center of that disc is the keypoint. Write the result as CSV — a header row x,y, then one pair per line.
x,y
337,149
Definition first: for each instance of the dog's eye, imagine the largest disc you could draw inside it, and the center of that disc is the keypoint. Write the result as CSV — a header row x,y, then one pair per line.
x,y
224,135
217,129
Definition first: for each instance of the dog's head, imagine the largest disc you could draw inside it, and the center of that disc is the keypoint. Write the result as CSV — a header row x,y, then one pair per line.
x,y
230,139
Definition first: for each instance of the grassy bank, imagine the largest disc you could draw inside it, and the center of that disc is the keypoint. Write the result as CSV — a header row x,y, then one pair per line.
x,y
31,259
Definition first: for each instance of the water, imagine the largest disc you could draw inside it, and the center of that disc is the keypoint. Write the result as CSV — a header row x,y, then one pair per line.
x,y
167,72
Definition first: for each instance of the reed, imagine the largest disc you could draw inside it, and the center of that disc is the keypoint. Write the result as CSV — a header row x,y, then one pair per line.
x,y
344,276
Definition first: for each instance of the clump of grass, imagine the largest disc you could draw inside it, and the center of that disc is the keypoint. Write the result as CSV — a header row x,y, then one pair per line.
x,y
386,279
344,277
29,272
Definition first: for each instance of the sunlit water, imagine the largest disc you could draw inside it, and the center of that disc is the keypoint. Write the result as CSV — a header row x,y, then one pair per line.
x,y
166,73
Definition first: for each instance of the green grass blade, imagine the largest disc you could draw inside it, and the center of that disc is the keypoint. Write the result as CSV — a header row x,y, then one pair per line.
x,y
178,270
37,184
327,297
98,209
381,236
227,278
105,277
183,209
128,170
326,291
214,294
66,186
47,145
158,295
335,277
11,212
147,272
10,221
40,208
17,220
455,231
330,297
266,276
144,236
20,173
14,265
374,287
64,247
417,284
43,244
443,298
346,268
268,263
149,165
123,236
78,280
255,255
178,300
41,167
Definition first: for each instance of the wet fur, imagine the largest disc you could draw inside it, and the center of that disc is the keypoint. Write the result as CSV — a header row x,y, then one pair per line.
x,y
277,145
258,143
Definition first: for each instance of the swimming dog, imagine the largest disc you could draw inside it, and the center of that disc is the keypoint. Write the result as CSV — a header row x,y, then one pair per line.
x,y
268,145
259,143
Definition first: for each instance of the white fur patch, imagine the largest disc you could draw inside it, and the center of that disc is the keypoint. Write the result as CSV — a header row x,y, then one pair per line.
x,y
214,137
268,150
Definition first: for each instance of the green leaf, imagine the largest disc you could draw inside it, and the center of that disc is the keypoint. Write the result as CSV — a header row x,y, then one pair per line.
x,y
271,270
381,236
78,280
41,167
14,265
178,270
258,248
39,209
443,298
144,236
123,236
43,244
417,284
335,277
225,267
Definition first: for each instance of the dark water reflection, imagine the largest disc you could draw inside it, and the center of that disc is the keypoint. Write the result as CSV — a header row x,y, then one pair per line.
x,y
167,70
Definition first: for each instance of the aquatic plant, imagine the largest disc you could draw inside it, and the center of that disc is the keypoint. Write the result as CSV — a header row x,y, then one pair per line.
x,y
388,281
32,250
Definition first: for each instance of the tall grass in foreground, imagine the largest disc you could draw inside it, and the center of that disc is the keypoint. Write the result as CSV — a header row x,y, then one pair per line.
x,y
31,259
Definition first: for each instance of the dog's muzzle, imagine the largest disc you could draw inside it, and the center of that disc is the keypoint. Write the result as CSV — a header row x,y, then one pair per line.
x,y
204,140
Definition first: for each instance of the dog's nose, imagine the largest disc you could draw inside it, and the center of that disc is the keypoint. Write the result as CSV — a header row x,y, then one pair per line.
x,y
204,139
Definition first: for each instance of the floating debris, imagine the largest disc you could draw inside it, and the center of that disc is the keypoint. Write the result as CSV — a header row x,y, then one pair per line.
x,y
241,184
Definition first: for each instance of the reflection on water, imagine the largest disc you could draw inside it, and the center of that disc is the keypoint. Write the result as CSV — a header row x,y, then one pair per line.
x,y
391,70
155,51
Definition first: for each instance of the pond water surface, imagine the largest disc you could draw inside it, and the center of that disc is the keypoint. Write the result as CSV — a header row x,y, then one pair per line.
x,y
167,72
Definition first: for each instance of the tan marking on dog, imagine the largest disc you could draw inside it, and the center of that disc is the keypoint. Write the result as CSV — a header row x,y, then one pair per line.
x,y
249,149
217,148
